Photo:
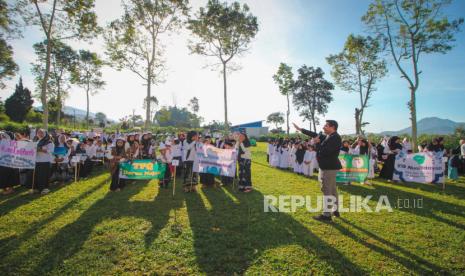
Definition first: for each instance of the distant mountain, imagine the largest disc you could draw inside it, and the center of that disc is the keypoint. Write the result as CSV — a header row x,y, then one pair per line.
x,y
80,114
430,125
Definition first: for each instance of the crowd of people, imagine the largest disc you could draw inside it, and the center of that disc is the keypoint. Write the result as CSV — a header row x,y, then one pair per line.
x,y
299,155
62,157
81,152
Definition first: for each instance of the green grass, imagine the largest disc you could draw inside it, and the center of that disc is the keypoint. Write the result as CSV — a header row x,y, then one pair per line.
x,y
82,228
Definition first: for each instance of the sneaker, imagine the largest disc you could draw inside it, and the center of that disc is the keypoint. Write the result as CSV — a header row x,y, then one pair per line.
x,y
322,218
336,214
45,191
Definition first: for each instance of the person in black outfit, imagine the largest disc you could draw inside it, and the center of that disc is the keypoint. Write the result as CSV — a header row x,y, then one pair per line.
x,y
328,160
388,167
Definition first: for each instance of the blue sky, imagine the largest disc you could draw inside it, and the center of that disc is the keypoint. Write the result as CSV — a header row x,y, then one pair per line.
x,y
295,32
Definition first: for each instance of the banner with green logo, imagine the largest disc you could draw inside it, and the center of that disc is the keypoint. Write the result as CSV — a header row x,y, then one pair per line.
x,y
423,167
142,169
354,168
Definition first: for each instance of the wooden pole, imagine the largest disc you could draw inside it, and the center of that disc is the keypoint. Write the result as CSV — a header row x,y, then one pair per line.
x,y
75,172
33,180
174,181
192,175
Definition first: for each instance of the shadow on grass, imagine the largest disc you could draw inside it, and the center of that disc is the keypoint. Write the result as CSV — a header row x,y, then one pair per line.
x,y
7,246
410,261
70,239
453,190
21,197
429,204
230,236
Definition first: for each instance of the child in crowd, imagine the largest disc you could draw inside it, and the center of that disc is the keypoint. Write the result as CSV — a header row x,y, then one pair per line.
x,y
165,158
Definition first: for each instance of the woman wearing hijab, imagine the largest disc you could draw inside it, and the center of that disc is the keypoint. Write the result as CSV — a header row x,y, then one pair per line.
x,y
119,154
244,156
190,177
44,159
61,160
146,147
9,177
165,158
388,167
207,179
299,159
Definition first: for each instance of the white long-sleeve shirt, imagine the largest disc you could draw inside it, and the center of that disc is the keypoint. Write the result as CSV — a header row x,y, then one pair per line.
x,y
190,148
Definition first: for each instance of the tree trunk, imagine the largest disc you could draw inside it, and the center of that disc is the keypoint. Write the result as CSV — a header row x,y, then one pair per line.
x,y
59,107
148,103
225,98
413,118
87,113
43,92
357,122
287,113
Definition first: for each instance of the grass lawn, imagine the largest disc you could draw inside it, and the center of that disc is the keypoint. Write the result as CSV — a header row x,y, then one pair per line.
x,y
82,228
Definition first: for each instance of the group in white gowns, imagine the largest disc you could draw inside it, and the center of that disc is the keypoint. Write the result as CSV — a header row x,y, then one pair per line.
x,y
284,158
310,163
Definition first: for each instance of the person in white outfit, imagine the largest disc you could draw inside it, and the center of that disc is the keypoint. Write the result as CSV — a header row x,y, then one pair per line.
x,y
309,161
284,160
275,156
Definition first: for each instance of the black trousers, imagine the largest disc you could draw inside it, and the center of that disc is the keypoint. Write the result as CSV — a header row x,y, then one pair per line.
x,y
207,179
188,173
42,175
166,178
9,177
245,174
116,182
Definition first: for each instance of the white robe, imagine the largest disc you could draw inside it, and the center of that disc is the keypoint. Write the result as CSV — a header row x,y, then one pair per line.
x,y
292,162
275,157
310,158
270,150
284,159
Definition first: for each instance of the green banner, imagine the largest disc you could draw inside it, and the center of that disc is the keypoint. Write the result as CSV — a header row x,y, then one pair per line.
x,y
142,169
354,168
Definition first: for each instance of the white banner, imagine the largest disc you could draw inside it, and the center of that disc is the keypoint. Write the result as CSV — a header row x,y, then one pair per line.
x,y
18,154
424,167
209,159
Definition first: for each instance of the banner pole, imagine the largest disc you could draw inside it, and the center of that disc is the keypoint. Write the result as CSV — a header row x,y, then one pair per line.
x,y
174,181
192,175
33,179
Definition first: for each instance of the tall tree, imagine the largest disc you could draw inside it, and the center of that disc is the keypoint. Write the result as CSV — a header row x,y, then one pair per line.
x,y
194,105
134,41
276,118
284,79
357,69
409,29
88,75
63,61
101,118
312,93
8,29
153,106
223,31
58,20
177,117
19,103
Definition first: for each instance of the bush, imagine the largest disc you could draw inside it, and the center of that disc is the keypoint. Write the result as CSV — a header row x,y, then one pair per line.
x,y
34,117
4,118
